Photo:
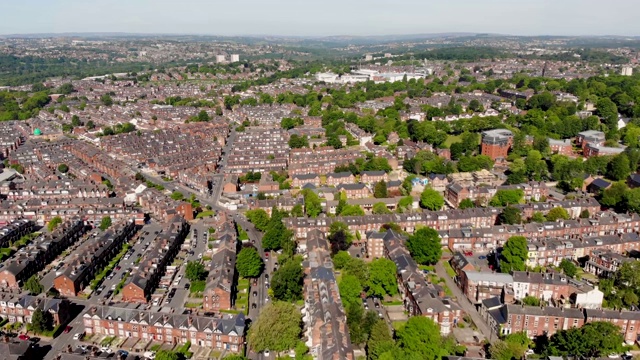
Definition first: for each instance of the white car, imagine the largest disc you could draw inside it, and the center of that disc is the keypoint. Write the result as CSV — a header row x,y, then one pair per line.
x,y
266,353
105,349
77,336
149,355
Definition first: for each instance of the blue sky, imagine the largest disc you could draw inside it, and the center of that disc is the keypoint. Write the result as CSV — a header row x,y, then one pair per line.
x,y
328,17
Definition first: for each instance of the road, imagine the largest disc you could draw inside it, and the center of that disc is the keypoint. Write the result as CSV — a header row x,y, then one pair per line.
x,y
466,305
260,288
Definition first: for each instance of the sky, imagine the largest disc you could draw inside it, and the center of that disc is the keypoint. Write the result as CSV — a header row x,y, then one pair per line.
x,y
322,18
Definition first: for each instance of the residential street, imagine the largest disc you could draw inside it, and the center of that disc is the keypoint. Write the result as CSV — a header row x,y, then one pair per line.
x,y
466,305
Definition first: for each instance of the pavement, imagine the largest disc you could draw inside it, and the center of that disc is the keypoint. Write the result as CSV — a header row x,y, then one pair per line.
x,y
465,304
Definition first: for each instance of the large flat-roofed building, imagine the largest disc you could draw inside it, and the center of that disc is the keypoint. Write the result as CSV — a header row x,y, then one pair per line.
x,y
496,143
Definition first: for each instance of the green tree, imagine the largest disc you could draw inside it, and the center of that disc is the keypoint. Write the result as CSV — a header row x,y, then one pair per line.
x,y
431,199
350,290
592,340
167,355
380,340
380,208
380,190
63,168
359,269
341,259
297,211
195,271
249,263
105,223
421,336
538,217
405,203
297,142
514,255
424,246
106,100
507,197
466,204
340,238
312,204
568,267
53,223
351,210
619,168
614,195
259,218
287,281
531,301
33,285
177,195
557,213
41,321
382,278
506,350
90,125
510,215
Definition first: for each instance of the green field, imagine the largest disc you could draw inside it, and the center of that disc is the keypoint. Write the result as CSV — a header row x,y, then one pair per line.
x,y
451,139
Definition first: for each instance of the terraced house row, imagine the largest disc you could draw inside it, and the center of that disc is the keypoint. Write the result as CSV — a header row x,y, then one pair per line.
x,y
144,280
551,241
34,257
440,220
93,255
222,332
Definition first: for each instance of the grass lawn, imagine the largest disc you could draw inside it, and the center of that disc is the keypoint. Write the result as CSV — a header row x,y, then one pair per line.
x,y
397,325
205,214
426,267
451,139
396,302
449,269
193,305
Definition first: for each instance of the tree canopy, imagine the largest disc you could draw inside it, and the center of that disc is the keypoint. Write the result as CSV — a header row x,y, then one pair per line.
x,y
424,246
514,255
249,263
277,328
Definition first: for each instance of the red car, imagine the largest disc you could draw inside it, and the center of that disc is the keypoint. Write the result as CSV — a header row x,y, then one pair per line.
x,y
23,337
67,329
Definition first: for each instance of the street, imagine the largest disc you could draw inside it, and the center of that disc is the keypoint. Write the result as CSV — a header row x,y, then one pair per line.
x,y
464,303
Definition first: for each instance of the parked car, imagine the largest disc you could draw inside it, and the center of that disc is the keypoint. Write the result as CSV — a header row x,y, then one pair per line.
x,y
67,329
23,337
78,336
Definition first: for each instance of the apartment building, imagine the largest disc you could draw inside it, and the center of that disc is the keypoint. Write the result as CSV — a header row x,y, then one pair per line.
x,y
496,143
220,332
325,321
90,257
300,180
478,286
335,179
372,177
355,191
144,280
34,257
